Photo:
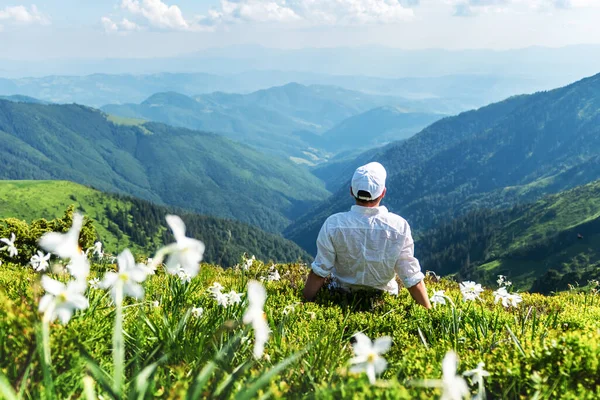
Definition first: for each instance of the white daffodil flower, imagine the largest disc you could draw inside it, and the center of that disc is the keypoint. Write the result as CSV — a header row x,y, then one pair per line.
x,y
64,245
438,298
183,276
514,299
185,253
500,280
155,304
506,298
79,267
61,300
476,376
221,298
94,283
98,249
234,298
454,386
10,245
39,261
470,290
197,312
129,273
255,315
216,287
273,275
367,355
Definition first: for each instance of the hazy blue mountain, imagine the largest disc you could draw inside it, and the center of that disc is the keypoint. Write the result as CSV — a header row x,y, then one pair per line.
x,y
559,64
22,99
198,171
376,127
448,94
513,151
285,119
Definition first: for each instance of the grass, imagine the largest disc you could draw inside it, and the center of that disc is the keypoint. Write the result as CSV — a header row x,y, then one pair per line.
x,y
29,200
546,348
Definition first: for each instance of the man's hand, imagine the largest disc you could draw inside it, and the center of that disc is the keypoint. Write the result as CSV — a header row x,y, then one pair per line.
x,y
312,286
419,293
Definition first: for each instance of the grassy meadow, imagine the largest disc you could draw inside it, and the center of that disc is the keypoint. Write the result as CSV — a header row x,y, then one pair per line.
x,y
179,342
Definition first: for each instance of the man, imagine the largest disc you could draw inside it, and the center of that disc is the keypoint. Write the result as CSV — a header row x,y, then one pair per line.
x,y
367,246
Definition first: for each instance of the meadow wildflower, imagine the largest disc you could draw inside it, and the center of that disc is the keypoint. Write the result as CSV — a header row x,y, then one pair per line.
x,y
197,312
39,261
470,290
60,300
234,298
185,253
367,355
130,274
64,245
94,283
255,315
183,276
476,376
273,275
507,299
454,386
98,249
438,298
10,245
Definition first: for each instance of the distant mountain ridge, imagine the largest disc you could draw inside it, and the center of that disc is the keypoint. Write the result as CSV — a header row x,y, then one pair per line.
x,y
513,151
285,119
198,171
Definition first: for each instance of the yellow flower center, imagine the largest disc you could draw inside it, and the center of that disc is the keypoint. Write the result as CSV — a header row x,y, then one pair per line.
x,y
124,276
62,297
371,358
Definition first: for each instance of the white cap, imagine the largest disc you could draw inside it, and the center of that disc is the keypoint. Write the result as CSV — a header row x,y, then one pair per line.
x,y
371,179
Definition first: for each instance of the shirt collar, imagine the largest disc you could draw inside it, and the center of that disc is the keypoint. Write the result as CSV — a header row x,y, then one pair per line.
x,y
369,210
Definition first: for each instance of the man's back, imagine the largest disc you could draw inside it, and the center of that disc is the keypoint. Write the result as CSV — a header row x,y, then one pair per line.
x,y
366,247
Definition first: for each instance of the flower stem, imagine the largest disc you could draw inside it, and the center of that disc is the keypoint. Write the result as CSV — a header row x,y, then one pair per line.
x,y
46,356
118,342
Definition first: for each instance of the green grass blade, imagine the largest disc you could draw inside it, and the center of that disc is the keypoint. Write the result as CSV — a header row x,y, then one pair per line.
x,y
251,392
6,390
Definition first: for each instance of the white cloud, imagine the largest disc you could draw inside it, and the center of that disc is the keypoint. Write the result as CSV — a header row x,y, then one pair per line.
x,y
313,12
464,8
158,14
124,26
23,15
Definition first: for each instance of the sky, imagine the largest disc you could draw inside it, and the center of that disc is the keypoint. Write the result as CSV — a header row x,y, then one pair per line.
x,y
51,29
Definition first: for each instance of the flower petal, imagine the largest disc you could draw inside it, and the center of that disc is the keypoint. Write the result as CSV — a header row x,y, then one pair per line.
x,y
382,344
177,226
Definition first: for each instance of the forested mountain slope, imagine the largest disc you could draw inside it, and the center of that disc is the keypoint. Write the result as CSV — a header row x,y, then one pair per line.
x,y
199,171
508,152
541,246
123,222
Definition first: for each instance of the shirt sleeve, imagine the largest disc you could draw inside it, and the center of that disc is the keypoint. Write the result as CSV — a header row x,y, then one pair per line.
x,y
407,266
323,264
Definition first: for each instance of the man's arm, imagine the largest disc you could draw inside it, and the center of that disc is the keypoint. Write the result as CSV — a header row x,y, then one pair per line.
x,y
419,294
312,286
322,266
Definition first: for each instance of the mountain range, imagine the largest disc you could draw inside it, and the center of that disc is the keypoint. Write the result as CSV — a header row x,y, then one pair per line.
x,y
303,122
508,152
198,171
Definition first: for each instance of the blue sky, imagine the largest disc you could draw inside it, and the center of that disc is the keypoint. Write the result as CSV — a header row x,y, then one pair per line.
x,y
151,28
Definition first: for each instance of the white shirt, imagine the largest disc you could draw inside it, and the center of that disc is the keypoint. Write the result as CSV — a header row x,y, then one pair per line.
x,y
367,247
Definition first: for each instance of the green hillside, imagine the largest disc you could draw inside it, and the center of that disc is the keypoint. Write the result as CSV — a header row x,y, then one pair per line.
x,y
202,172
286,120
506,153
123,222
541,246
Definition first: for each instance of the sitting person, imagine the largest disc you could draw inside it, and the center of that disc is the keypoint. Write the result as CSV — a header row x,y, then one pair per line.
x,y
367,246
